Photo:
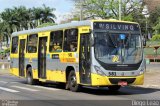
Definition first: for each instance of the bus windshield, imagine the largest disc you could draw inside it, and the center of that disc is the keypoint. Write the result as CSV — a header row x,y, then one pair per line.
x,y
118,48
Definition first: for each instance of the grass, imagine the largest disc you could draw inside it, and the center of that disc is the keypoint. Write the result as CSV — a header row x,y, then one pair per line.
x,y
150,51
153,43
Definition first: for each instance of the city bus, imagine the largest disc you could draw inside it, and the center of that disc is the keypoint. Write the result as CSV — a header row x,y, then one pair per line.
x,y
94,53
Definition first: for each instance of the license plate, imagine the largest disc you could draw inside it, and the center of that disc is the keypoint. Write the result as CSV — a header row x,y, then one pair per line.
x,y
123,83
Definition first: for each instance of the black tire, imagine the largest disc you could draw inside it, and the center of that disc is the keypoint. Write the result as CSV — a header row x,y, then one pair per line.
x,y
72,81
29,77
114,87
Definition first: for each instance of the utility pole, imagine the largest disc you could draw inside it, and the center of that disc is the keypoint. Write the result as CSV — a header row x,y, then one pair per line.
x,y
81,12
120,11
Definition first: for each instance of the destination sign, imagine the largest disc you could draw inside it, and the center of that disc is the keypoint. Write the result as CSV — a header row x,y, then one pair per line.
x,y
116,26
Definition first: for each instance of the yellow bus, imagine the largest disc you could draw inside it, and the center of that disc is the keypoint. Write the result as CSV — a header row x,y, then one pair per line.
x,y
96,53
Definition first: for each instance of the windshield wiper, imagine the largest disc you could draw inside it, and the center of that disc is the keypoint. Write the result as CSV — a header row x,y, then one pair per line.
x,y
112,40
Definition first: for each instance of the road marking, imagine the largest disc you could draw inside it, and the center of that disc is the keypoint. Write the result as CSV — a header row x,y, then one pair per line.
x,y
24,88
47,88
3,82
7,89
14,82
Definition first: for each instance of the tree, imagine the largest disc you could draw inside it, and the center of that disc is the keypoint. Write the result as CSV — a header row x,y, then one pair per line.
x,y
47,15
106,9
46,24
21,18
8,23
43,15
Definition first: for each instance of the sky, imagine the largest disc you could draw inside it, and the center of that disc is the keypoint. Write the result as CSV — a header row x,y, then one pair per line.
x,y
62,6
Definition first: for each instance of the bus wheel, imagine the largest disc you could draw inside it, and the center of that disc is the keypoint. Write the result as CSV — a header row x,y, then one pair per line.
x,y
29,77
114,87
72,81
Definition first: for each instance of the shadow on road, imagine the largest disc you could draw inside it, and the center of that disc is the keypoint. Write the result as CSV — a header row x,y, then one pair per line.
x,y
122,91
94,90
105,91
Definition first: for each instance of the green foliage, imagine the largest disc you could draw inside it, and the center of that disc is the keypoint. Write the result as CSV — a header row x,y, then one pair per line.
x,y
154,20
3,52
106,9
20,18
128,18
109,9
46,24
150,51
157,27
156,38
7,50
154,15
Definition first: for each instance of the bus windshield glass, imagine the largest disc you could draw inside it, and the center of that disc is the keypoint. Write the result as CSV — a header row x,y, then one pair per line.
x,y
117,42
118,48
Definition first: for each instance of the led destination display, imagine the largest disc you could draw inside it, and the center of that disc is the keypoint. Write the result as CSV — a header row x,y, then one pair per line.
x,y
116,26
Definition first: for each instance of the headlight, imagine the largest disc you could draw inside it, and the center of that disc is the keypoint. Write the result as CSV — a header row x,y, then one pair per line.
x,y
99,71
142,70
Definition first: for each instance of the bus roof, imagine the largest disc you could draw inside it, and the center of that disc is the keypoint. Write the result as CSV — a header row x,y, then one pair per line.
x,y
55,27
61,26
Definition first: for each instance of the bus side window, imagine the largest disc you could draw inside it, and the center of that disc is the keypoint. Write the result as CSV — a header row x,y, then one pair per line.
x,y
70,40
14,49
56,38
32,43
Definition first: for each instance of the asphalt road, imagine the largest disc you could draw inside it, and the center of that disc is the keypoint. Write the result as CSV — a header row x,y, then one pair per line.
x,y
13,88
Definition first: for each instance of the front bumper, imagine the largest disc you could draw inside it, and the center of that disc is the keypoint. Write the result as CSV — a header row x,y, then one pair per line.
x,y
98,80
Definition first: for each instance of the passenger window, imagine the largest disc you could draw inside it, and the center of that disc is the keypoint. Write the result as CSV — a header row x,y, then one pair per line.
x,y
56,38
32,43
70,40
14,45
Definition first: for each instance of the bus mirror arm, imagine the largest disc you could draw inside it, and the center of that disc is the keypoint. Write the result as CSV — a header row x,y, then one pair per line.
x,y
144,42
92,41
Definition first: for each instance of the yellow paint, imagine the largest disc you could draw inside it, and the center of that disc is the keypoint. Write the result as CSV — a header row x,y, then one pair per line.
x,y
44,34
35,73
42,80
25,73
77,77
23,36
139,80
58,76
98,80
14,71
69,57
84,29
115,58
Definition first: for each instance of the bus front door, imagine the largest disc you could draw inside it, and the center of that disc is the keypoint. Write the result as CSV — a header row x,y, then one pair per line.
x,y
42,57
84,64
22,57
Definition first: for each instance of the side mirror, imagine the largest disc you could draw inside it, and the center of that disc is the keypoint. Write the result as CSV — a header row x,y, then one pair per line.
x,y
92,41
144,41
